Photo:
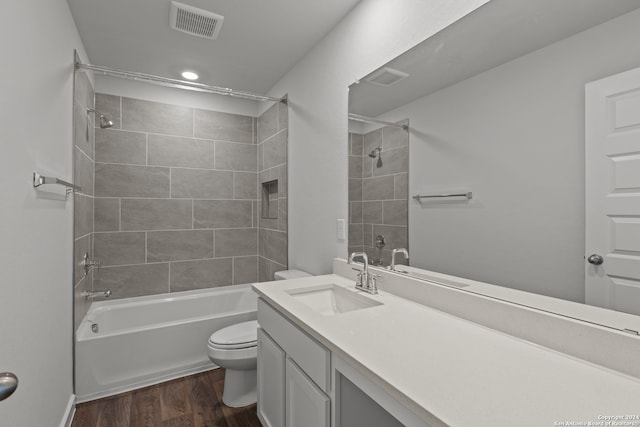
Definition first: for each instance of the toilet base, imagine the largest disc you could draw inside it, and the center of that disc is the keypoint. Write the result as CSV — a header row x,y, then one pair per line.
x,y
239,388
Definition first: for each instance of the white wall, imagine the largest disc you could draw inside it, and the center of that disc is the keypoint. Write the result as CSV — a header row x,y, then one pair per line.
x,y
373,33
188,98
36,234
513,135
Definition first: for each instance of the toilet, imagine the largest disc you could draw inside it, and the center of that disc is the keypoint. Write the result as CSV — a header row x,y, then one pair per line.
x,y
235,348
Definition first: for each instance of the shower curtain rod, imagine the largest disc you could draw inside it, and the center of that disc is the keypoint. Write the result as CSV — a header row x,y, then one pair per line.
x,y
365,119
182,84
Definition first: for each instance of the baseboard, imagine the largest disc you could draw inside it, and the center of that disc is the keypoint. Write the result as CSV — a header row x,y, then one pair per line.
x,y
67,418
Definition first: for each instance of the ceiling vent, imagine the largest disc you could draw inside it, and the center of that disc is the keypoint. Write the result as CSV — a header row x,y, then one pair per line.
x,y
194,21
386,76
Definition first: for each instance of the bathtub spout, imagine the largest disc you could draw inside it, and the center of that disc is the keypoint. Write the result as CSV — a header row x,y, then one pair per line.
x,y
97,294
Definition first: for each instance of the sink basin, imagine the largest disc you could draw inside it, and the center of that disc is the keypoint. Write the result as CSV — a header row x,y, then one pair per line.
x,y
331,299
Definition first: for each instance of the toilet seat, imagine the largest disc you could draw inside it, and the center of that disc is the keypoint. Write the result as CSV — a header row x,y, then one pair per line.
x,y
235,337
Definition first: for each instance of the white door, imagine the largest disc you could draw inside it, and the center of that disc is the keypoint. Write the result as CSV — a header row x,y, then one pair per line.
x,y
613,192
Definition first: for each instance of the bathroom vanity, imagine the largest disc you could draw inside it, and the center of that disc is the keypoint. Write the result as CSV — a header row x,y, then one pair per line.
x,y
329,355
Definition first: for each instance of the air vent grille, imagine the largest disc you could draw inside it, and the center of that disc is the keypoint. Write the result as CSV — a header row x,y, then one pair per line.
x,y
194,21
386,76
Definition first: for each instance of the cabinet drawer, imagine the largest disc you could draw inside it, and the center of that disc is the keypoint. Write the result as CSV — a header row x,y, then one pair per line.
x,y
312,357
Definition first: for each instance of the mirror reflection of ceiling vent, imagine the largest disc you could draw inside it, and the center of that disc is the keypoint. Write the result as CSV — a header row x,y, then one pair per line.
x,y
194,21
386,76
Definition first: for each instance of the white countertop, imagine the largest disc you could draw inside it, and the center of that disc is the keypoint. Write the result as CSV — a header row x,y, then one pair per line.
x,y
462,373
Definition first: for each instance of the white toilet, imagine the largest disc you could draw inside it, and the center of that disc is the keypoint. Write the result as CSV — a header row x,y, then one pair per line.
x,y
235,348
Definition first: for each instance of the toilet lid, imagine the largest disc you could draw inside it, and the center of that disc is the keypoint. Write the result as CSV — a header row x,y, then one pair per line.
x,y
240,335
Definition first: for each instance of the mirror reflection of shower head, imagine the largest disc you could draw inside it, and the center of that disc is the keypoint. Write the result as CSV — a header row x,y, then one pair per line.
x,y
374,153
105,122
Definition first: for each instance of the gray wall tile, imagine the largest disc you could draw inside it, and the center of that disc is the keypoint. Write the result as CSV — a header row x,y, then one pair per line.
x,y
264,270
117,146
83,91
355,167
380,188
400,186
155,117
181,152
109,105
201,184
372,212
355,234
283,215
133,280
222,213
371,141
355,189
393,161
107,214
223,126
245,270
83,171
82,215
155,214
236,242
283,116
245,185
131,181
237,157
275,150
275,246
187,275
179,245
80,302
367,235
119,248
355,212
394,212
357,144
268,123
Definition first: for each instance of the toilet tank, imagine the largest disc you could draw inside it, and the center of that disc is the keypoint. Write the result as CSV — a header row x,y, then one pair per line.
x,y
290,274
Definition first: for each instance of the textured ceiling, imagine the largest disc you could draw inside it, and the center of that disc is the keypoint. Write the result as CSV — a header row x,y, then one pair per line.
x,y
260,40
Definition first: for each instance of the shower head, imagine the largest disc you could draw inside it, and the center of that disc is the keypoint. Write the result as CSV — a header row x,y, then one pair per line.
x,y
105,122
374,153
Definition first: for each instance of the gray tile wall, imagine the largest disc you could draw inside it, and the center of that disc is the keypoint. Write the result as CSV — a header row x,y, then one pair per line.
x,y
378,196
272,136
83,175
176,202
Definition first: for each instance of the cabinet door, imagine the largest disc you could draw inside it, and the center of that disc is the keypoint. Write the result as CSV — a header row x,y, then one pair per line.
x,y
306,404
271,375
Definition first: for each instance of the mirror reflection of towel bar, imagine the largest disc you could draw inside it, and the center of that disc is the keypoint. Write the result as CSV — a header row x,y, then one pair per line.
x,y
419,197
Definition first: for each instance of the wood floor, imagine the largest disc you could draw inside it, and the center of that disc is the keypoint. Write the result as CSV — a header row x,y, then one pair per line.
x,y
194,401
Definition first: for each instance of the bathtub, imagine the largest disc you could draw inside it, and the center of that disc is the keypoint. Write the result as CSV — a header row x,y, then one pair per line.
x,y
130,343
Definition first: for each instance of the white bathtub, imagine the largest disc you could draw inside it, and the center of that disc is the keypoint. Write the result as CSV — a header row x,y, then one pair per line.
x,y
147,340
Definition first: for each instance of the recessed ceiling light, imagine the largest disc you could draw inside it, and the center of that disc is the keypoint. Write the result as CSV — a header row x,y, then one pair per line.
x,y
189,75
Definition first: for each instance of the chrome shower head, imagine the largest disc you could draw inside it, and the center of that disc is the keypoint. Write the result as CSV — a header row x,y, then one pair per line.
x,y
105,122
374,153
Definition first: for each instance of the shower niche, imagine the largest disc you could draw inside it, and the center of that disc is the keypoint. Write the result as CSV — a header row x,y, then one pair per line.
x,y
270,199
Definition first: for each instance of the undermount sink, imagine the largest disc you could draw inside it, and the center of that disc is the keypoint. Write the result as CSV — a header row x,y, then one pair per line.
x,y
331,299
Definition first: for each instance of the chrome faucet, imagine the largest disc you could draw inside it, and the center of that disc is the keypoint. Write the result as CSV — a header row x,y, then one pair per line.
x,y
403,251
366,281
97,294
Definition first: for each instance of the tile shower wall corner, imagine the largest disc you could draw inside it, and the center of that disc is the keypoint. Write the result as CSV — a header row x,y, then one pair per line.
x,y
177,197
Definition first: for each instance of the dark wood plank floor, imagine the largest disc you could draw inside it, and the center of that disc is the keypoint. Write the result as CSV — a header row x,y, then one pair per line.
x,y
194,401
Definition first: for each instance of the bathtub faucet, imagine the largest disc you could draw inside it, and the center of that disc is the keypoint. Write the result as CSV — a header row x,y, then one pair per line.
x,y
97,294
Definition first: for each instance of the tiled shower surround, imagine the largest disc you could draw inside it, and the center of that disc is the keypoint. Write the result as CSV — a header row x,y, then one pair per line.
x,y
177,197
83,175
378,195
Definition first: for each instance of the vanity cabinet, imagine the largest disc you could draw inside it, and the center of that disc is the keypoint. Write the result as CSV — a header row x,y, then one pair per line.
x,y
293,374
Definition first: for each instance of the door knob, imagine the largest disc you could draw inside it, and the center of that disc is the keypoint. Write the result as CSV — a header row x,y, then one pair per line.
x,y
8,384
595,259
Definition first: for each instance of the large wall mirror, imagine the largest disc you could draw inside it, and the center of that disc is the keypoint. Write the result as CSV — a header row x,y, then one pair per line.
x,y
495,108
